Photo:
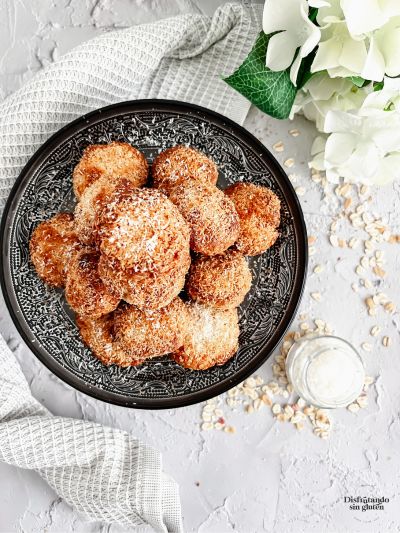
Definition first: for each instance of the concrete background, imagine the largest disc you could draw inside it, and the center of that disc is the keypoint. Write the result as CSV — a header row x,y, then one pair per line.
x,y
267,476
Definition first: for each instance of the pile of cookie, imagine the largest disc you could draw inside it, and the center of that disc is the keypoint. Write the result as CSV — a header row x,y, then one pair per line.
x,y
155,266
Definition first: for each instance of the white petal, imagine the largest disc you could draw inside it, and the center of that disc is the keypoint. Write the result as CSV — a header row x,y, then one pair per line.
x,y
317,162
374,66
327,55
302,98
338,149
340,121
318,154
322,87
333,175
363,16
391,8
294,69
363,163
312,112
314,33
384,130
392,84
318,145
318,3
354,55
280,15
389,169
311,42
341,72
280,51
389,44
331,13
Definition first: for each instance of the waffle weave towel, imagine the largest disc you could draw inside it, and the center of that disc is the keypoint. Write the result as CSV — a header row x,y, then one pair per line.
x,y
105,473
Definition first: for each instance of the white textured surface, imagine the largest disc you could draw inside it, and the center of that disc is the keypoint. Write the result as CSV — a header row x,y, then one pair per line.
x,y
266,477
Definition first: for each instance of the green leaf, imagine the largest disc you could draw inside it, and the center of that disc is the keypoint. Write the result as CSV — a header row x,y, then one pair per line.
x,y
357,80
305,73
312,14
378,85
272,92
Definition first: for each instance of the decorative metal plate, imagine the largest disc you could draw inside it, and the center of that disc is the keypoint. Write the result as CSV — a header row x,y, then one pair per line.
x,y
44,188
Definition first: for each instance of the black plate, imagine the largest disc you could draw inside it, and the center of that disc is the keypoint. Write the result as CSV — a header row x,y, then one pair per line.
x,y
44,188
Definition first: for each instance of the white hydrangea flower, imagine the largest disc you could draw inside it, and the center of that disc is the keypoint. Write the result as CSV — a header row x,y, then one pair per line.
x,y
364,16
331,12
387,98
322,94
387,43
359,38
339,53
362,146
296,31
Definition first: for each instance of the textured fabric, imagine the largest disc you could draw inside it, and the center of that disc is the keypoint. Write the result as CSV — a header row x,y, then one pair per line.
x,y
106,473
182,58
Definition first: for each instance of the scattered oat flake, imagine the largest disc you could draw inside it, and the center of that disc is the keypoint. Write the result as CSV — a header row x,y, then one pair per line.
x,y
300,191
344,189
375,330
289,162
360,271
276,408
362,401
353,407
316,296
266,399
390,307
353,242
254,392
278,146
379,272
312,240
386,341
367,284
318,269
294,133
334,240
370,303
257,404
347,203
288,410
366,346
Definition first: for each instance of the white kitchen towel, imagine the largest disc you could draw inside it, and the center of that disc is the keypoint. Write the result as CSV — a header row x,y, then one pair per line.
x,y
105,473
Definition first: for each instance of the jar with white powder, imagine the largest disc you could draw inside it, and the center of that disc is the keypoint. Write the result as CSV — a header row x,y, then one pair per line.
x,y
326,371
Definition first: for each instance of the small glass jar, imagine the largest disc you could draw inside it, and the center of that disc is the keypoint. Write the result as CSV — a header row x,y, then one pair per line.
x,y
326,371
